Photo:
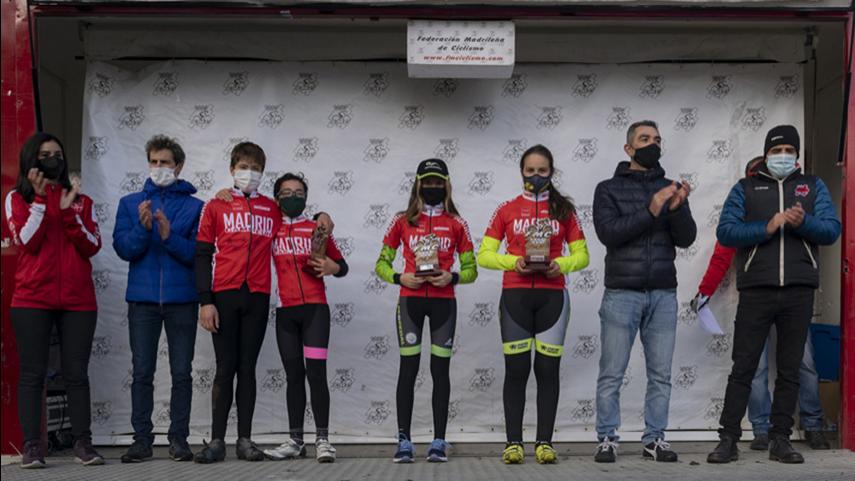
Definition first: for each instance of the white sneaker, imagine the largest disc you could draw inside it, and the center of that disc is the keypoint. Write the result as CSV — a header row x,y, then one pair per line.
x,y
324,450
290,449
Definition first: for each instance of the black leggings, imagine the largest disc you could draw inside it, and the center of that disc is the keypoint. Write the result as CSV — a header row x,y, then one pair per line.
x,y
411,320
32,334
243,322
532,319
304,332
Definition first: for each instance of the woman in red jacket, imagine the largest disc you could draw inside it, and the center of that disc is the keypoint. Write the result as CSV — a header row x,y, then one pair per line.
x,y
56,233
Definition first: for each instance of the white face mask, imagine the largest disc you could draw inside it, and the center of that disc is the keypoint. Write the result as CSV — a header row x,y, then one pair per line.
x,y
781,165
162,176
247,180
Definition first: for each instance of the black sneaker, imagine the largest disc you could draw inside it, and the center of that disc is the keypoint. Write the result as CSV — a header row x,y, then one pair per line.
x,y
725,452
606,451
781,450
760,442
248,451
137,453
85,454
659,450
32,457
213,452
816,440
179,450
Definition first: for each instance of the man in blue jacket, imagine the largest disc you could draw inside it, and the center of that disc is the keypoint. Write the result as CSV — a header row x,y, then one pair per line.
x,y
156,232
776,219
641,217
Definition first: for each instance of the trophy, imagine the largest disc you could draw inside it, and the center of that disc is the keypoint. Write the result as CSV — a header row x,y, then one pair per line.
x,y
318,250
426,251
537,237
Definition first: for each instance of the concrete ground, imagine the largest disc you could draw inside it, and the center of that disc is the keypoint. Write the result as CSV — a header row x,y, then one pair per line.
x,y
469,462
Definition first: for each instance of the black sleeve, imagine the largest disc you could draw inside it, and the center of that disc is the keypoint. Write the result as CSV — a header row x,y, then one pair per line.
x,y
682,226
614,229
343,268
455,278
204,272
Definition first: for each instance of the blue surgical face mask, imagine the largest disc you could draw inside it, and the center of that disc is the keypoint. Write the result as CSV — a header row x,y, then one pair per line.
x,y
781,165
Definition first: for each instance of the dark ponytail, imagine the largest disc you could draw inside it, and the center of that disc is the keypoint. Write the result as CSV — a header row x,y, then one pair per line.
x,y
560,206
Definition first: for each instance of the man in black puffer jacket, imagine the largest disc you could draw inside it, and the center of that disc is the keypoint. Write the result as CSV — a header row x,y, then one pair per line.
x,y
641,217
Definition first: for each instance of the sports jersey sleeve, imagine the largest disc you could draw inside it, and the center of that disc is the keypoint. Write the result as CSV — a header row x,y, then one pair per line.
x,y
488,252
26,220
335,254
82,228
578,258
465,254
205,254
391,241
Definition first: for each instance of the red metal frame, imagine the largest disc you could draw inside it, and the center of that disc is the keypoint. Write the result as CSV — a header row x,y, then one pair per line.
x,y
19,121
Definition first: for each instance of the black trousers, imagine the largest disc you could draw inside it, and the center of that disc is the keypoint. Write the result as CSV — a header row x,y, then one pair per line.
x,y
790,310
32,334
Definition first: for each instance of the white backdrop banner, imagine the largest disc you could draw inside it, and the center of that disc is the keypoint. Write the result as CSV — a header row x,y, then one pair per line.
x,y
358,130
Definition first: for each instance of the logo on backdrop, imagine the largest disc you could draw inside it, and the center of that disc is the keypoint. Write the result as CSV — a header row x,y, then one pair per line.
x,y
267,180
273,381
102,212
481,117
233,141
714,215
514,86
340,117
345,245
374,284
305,84
550,117
720,151
585,215
162,415
686,119
447,149
376,84
272,116
687,253
445,87
309,415
586,347
101,279
557,177
128,380
236,83
101,85
686,377
341,182
714,408
514,150
377,216
133,117
754,118
719,345
686,315
619,118
585,85
584,410
101,346
163,349
585,150
482,314
453,409
406,183
377,150
652,87
202,116
720,86
378,412
412,117
587,281
342,313
481,183
101,411
377,348
271,315
306,150
165,84
482,379
690,178
627,378
96,148
420,379
203,380
787,87
203,180
343,380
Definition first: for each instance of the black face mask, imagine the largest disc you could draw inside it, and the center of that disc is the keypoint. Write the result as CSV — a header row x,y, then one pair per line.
x,y
432,195
292,206
51,166
536,183
648,157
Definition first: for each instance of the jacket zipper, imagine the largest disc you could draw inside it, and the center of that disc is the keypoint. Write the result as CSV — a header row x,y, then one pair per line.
x,y
294,258
430,231
536,212
781,243
160,264
810,254
249,251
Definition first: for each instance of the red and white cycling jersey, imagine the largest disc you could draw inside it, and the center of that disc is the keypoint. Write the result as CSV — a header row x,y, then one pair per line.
x,y
242,232
292,248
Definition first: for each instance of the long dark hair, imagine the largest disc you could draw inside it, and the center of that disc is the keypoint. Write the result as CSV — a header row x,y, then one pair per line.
x,y
28,159
560,206
415,205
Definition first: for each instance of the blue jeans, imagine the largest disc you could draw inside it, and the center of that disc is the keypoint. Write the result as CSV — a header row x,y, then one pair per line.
x,y
145,321
760,401
623,313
